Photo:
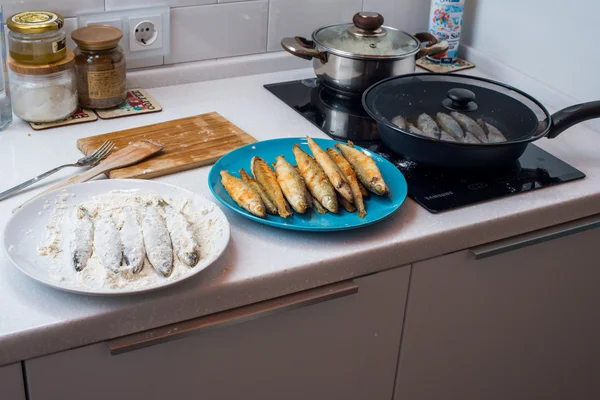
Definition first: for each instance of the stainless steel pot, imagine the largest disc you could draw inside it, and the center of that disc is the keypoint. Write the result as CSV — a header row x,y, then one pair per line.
x,y
351,57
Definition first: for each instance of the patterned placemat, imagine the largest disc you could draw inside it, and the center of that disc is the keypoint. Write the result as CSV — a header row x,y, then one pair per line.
x,y
138,101
80,116
432,66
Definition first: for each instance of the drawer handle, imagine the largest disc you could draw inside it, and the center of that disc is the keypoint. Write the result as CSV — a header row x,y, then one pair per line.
x,y
536,237
234,316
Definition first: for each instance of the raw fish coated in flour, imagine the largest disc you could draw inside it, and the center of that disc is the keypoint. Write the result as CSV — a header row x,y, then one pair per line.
x,y
426,124
133,240
184,242
157,241
107,243
81,245
469,125
449,126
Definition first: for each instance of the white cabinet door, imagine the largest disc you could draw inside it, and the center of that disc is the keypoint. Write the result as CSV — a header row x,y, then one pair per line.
x,y
345,348
518,324
11,382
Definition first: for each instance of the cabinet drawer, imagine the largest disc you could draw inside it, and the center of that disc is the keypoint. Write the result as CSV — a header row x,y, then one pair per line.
x,y
11,382
513,320
341,348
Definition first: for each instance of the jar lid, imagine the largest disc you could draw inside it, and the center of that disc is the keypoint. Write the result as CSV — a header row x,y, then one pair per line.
x,y
97,37
43,69
514,113
366,38
35,22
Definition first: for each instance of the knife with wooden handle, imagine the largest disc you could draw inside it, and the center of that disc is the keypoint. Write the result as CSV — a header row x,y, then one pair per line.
x,y
124,157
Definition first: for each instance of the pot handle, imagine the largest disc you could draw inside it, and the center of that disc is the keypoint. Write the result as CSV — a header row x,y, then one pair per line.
x,y
434,46
567,117
300,47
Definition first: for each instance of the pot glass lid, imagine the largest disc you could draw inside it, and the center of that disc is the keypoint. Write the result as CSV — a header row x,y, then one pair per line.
x,y
366,38
402,101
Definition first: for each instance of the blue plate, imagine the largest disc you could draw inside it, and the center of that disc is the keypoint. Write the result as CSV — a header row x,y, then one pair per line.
x,y
378,207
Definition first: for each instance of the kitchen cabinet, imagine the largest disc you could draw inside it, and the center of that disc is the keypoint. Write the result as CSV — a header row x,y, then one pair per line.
x,y
11,382
344,348
517,319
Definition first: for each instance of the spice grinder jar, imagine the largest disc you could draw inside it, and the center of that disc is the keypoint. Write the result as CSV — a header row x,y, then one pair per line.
x,y
43,93
36,37
100,66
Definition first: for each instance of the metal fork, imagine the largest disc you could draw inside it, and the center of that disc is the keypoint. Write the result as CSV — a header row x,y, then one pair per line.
x,y
89,160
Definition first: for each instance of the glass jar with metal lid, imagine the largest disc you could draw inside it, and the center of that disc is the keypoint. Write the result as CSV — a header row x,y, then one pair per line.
x,y
36,37
100,65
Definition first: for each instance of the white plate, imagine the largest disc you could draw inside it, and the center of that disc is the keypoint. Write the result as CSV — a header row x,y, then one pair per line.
x,y
26,229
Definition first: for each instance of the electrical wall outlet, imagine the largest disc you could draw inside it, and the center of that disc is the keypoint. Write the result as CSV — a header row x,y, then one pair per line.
x,y
146,31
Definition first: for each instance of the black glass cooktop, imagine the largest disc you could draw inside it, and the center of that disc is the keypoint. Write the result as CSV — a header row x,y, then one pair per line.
x,y
437,189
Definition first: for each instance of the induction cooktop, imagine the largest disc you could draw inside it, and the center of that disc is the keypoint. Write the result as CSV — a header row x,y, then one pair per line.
x,y
437,189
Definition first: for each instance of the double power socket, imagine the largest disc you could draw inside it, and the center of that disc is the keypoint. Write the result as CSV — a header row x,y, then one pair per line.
x,y
145,30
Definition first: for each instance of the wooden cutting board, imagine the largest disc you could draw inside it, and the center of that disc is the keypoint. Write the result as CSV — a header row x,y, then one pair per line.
x,y
188,143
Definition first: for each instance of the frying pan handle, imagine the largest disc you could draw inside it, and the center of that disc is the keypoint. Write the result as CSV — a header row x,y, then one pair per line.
x,y
566,118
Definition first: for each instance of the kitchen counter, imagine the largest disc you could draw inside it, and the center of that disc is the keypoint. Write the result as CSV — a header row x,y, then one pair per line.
x,y
36,320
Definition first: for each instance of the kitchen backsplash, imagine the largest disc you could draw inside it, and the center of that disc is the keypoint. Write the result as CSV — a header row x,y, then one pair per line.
x,y
213,29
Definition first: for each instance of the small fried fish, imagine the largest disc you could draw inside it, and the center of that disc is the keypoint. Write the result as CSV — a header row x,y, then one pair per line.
x,y
469,125
363,189
493,134
107,243
269,205
317,206
133,240
365,167
81,245
292,185
470,139
399,122
184,241
243,194
336,177
446,137
449,127
157,241
417,131
315,179
268,180
352,180
346,204
426,124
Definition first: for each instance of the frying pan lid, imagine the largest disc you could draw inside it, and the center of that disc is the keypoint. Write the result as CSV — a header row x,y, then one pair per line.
x,y
517,115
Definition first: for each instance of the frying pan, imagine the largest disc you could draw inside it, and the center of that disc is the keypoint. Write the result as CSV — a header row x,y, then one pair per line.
x,y
521,118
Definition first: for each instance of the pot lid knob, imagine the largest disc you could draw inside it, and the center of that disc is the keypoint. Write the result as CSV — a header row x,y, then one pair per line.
x,y
460,100
367,24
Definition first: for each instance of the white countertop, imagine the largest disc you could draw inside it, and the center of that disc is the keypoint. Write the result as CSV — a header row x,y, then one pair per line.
x,y
36,320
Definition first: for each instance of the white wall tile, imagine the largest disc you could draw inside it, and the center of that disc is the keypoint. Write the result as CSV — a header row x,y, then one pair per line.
x,y
121,5
70,26
67,8
302,17
407,15
215,31
230,1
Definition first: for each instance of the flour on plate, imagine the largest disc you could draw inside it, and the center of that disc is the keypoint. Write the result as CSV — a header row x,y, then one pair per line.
x,y
60,231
